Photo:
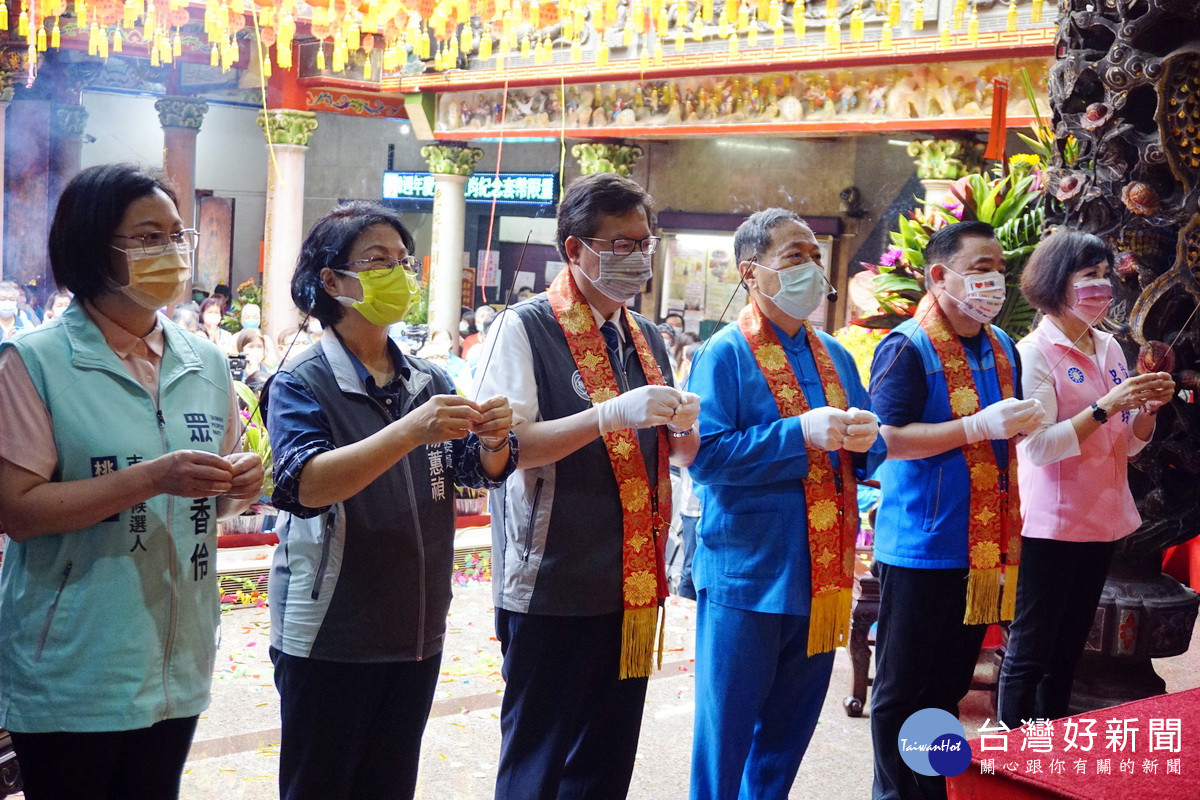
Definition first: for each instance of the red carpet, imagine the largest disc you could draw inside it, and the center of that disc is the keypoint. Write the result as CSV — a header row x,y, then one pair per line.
x,y
1141,764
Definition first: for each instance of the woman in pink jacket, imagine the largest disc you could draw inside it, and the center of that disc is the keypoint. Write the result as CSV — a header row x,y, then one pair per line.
x,y
1075,497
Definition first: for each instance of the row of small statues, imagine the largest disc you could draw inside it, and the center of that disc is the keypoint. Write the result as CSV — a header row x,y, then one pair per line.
x,y
939,91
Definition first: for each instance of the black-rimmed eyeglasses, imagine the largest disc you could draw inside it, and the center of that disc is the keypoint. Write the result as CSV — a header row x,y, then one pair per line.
x,y
624,247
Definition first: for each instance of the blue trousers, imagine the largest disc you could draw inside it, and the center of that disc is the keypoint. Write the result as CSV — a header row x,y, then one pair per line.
x,y
758,696
568,725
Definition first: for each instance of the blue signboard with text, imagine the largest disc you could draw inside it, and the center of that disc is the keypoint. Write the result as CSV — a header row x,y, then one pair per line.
x,y
517,188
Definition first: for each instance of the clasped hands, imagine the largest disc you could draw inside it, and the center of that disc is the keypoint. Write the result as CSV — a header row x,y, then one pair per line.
x,y
647,407
831,428
451,416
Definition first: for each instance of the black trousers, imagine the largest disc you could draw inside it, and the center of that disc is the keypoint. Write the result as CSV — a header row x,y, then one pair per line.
x,y
924,658
569,726
116,765
351,730
1059,587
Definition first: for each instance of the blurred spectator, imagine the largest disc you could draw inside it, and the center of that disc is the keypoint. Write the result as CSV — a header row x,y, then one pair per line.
x,y
484,317
686,345
212,311
437,351
251,316
222,293
252,346
187,316
675,320
56,303
12,318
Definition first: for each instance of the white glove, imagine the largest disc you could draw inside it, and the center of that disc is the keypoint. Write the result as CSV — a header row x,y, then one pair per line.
x,y
687,412
862,430
643,407
1003,420
825,427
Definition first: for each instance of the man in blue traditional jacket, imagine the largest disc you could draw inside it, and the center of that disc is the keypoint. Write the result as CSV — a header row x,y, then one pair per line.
x,y
782,433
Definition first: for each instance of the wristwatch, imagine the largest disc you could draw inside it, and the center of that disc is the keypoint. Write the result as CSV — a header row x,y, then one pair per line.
x,y
1099,414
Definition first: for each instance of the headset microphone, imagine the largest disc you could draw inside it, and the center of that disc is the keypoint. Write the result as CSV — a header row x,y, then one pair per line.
x,y
832,295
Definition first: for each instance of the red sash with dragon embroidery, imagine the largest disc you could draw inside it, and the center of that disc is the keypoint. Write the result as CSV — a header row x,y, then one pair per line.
x,y
831,495
646,510
994,512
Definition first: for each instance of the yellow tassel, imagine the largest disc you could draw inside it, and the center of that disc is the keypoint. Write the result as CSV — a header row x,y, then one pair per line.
x,y
658,53
697,31
1008,605
973,26
576,52
778,39
465,42
23,25
525,48
752,36
637,641
893,12
3,17
176,45
320,56
103,46
706,10
485,46
154,59
41,39
118,42
1011,27
55,36
829,621
644,57
983,596
214,57
857,26
602,55
1036,12
960,12
799,23
885,36
918,15
944,34
833,32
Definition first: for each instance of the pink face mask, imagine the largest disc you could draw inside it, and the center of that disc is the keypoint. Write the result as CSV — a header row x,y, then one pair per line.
x,y
1092,298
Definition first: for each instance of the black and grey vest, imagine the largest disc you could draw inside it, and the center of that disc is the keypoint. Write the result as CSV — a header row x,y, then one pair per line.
x,y
557,530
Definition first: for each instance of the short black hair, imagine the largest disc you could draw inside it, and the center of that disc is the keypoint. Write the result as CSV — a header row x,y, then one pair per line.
x,y
946,242
89,210
328,244
753,237
591,197
1059,256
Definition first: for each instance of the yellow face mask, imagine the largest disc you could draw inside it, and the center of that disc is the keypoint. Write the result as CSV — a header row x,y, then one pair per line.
x,y
154,281
388,294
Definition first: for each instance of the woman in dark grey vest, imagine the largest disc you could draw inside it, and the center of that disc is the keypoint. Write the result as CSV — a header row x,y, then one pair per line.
x,y
368,444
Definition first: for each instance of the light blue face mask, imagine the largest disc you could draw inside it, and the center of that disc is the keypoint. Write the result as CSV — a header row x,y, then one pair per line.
x,y
801,290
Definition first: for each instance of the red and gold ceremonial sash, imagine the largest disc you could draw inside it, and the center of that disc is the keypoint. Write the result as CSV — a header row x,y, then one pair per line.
x,y
994,512
645,515
830,495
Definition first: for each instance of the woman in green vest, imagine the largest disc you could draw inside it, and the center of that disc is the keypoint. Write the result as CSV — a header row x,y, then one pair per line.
x,y
116,461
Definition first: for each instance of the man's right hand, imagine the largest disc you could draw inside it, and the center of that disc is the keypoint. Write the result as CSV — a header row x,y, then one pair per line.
x,y
1003,420
825,427
643,407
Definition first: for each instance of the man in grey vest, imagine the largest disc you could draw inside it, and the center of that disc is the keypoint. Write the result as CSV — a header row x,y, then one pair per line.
x,y
578,530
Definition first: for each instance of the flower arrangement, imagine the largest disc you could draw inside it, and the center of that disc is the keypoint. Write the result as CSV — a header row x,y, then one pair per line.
x,y
254,434
476,567
861,342
1008,202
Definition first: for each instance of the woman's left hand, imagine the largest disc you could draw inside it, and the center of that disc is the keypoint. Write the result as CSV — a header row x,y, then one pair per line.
x,y
248,476
1158,393
497,421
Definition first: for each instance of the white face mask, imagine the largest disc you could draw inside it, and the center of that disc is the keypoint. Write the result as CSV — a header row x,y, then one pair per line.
x,y
801,290
622,277
154,281
8,308
985,295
